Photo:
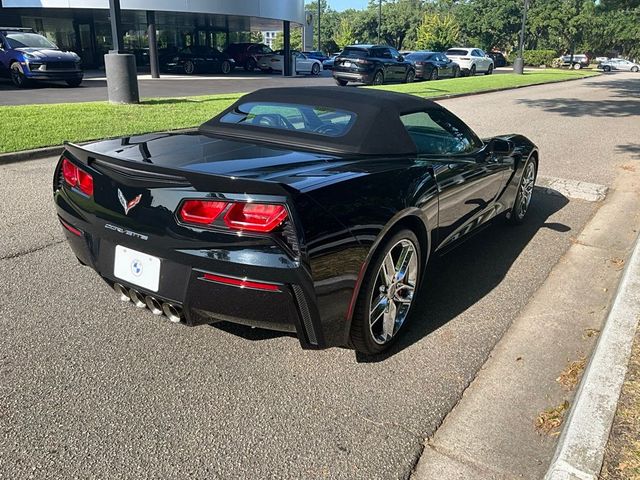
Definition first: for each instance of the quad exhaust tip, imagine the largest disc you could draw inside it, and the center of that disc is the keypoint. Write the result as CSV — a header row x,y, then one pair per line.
x,y
137,298
122,292
153,305
173,312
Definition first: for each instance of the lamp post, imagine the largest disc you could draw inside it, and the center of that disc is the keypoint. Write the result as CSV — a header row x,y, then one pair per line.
x,y
379,19
518,64
319,12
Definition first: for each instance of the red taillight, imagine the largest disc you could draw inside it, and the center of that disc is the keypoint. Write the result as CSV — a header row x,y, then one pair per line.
x,y
201,212
71,228
241,282
255,217
76,177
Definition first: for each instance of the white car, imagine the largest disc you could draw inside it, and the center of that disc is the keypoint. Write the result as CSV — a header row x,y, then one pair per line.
x,y
619,64
275,62
471,60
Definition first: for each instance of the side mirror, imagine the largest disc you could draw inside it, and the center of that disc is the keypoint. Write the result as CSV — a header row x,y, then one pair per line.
x,y
449,60
400,58
499,146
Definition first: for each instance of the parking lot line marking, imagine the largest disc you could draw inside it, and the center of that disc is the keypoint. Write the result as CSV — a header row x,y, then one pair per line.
x,y
590,192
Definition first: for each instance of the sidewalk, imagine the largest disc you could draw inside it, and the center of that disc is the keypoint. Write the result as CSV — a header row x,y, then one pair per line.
x,y
507,423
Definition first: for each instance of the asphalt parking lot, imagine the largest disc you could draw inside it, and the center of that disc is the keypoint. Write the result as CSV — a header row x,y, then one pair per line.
x,y
93,388
94,87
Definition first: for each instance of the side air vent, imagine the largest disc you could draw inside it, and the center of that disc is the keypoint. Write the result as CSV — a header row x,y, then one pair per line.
x,y
306,314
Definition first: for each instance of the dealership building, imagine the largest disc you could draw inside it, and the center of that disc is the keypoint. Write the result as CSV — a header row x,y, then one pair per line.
x,y
84,25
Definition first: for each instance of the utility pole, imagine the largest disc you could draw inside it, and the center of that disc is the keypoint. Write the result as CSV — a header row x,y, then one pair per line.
x,y
319,12
518,64
379,19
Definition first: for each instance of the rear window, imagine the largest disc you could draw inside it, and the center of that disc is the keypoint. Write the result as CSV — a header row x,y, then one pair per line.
x,y
457,51
354,52
418,56
316,120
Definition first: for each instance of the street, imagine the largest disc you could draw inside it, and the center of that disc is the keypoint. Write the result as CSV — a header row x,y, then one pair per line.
x,y
94,388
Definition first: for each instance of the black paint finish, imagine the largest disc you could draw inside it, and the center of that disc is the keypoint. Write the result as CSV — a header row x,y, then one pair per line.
x,y
340,208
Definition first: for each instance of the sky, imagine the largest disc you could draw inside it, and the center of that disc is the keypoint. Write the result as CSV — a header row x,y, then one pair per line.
x,y
344,4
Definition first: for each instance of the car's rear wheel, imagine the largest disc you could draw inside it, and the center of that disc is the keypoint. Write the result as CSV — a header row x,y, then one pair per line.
x,y
189,67
225,67
525,192
472,71
342,83
315,70
489,70
634,69
577,66
378,78
250,64
75,82
17,76
387,293
434,74
606,68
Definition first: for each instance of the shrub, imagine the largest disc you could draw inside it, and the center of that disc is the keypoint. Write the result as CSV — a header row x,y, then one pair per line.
x,y
535,58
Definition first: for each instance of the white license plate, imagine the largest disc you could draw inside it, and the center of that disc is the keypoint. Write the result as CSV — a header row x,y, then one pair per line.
x,y
137,268
346,64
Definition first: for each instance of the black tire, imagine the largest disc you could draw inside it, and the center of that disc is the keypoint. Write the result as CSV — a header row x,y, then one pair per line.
x,y
434,75
378,78
472,71
250,65
489,70
315,70
17,75
577,66
74,83
189,67
225,67
607,68
362,331
634,69
342,83
520,208
410,77
456,72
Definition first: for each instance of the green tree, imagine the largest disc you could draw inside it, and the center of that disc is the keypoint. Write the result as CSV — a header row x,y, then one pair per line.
x,y
256,37
437,32
295,39
399,21
490,23
345,34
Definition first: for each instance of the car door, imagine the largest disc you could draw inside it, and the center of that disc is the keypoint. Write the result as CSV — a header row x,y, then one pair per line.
x,y
384,56
303,64
469,177
399,65
443,65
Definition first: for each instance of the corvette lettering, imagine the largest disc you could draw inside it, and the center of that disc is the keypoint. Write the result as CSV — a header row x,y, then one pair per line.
x,y
123,231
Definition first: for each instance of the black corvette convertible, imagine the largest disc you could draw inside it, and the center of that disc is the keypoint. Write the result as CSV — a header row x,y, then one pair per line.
x,y
310,210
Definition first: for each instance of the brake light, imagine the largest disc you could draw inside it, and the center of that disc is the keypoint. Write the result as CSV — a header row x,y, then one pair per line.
x,y
201,212
76,177
255,217
241,282
362,61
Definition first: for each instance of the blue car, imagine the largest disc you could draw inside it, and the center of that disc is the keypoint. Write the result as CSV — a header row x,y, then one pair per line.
x,y
26,56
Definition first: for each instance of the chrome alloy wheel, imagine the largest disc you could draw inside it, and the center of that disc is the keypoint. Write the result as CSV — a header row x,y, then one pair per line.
x,y
526,188
393,291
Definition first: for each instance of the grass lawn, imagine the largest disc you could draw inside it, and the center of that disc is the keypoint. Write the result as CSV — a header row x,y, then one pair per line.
x,y
32,126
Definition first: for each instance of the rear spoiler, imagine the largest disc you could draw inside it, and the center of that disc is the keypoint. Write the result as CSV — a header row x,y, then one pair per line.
x,y
135,173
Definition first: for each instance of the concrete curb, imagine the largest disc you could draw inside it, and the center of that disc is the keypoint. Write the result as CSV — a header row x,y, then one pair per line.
x,y
581,446
13,157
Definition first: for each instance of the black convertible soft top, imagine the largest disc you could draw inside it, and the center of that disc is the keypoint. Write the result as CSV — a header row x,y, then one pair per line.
x,y
377,129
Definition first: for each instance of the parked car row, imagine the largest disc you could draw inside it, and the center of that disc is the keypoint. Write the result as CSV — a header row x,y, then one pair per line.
x,y
378,64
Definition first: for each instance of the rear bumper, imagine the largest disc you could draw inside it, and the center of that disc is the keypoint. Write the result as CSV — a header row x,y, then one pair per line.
x,y
290,304
362,77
